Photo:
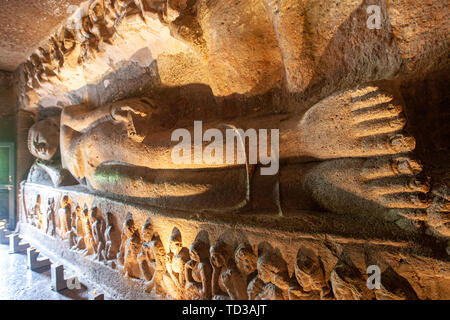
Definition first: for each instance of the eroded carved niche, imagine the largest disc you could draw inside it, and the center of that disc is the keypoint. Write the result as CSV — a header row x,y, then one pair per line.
x,y
93,26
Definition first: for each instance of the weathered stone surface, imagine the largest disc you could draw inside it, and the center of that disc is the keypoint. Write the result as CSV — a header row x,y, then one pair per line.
x,y
356,244
362,176
25,24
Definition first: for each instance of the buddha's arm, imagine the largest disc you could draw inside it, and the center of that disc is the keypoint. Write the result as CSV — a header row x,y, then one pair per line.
x,y
81,117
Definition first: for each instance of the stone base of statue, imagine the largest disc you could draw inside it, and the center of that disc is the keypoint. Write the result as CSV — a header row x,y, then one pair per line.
x,y
105,242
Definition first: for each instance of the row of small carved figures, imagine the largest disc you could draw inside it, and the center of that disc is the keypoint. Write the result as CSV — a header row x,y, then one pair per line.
x,y
220,271
84,229
99,25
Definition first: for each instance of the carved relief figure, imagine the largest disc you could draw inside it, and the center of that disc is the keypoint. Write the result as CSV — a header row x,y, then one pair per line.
x,y
198,272
50,217
158,265
98,240
88,235
110,251
130,248
309,281
35,212
227,281
64,217
176,259
72,235
246,262
273,273
145,257
79,229
348,283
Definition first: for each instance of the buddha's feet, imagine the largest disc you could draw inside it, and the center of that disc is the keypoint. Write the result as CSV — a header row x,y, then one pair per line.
x,y
438,214
364,122
385,186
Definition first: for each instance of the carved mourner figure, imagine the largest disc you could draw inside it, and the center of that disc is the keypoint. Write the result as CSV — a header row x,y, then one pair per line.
x,y
176,259
72,234
198,272
35,213
110,251
227,280
151,259
158,265
98,240
348,283
273,273
246,261
50,217
79,229
309,281
64,217
146,257
130,247
88,236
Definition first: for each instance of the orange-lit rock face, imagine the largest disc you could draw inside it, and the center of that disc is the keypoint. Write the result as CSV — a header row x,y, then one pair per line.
x,y
225,261
340,95
18,38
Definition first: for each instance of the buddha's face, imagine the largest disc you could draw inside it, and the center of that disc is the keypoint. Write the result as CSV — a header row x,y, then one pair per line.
x,y
43,139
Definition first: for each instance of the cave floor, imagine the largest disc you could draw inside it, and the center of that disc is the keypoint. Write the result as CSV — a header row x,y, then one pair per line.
x,y
17,282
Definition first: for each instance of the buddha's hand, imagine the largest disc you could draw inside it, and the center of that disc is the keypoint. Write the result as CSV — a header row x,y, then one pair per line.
x,y
134,113
123,111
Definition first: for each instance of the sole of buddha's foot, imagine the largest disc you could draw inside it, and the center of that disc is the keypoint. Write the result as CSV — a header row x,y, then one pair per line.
x,y
364,122
368,186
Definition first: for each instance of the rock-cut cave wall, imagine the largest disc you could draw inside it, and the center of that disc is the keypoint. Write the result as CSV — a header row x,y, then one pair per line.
x,y
362,166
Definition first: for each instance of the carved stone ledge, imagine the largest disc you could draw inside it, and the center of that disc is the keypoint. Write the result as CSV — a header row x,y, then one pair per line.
x,y
394,251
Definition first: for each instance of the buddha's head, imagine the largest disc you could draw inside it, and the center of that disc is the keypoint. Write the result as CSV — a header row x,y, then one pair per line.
x,y
43,139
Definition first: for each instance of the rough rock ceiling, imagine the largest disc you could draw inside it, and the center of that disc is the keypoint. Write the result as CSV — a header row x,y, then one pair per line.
x,y
24,24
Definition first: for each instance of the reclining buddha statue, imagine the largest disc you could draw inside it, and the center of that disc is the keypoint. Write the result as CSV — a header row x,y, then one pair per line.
x,y
348,153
